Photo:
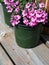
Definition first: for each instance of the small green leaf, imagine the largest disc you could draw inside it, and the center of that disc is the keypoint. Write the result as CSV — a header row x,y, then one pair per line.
x,y
1,0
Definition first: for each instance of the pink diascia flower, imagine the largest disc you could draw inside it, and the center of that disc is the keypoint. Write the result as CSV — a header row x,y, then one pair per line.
x,y
31,15
14,4
17,9
26,21
33,19
41,16
24,13
45,16
15,19
17,2
7,2
28,5
39,13
32,24
31,12
11,5
34,5
41,5
9,9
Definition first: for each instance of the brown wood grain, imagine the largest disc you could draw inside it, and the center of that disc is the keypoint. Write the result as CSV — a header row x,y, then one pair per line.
x,y
48,6
4,60
35,56
44,1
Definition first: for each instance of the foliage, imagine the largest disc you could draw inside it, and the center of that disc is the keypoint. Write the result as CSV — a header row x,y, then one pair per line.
x,y
30,12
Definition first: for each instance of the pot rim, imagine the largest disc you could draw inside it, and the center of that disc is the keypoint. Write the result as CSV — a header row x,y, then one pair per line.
x,y
22,25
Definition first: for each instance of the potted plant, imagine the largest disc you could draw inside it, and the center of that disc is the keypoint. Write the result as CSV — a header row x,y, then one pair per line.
x,y
6,14
27,18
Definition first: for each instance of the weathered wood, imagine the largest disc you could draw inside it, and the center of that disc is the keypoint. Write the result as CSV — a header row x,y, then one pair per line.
x,y
45,39
4,60
42,53
43,1
47,5
21,56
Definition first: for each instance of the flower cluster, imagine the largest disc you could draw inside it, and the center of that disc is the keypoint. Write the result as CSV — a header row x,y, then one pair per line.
x,y
15,19
11,5
33,16
30,13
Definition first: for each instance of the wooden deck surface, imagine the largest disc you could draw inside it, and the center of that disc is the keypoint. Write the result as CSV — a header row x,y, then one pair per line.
x,y
4,60
12,54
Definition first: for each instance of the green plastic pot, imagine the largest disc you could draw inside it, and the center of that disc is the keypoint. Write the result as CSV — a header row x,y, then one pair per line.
x,y
27,37
6,15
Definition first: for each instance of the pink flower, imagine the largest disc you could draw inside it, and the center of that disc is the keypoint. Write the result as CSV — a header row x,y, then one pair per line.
x,y
39,13
13,5
17,9
7,2
28,5
15,19
44,14
26,22
34,5
33,19
10,0
32,13
41,5
24,13
32,24
9,9
17,2
13,22
42,20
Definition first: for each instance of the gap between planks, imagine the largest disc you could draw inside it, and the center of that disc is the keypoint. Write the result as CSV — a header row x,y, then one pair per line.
x,y
4,60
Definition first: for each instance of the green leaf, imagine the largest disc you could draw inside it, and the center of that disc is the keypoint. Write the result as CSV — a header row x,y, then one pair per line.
x,y
37,3
31,0
1,0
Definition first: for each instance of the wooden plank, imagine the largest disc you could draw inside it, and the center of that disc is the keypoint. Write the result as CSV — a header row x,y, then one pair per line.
x,y
4,60
21,56
42,1
45,39
48,6
42,53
